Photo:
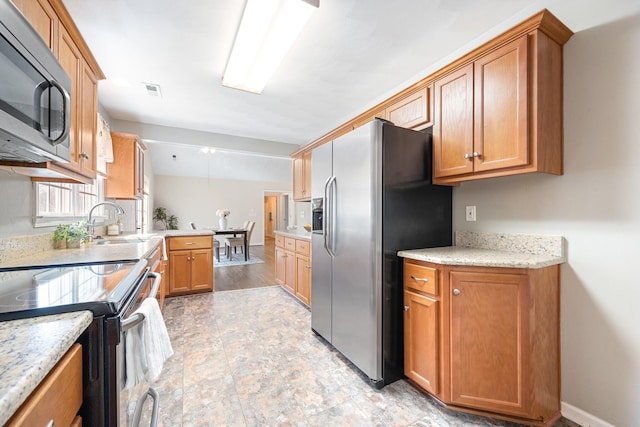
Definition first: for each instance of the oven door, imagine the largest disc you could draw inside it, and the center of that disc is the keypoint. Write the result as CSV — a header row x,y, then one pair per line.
x,y
138,405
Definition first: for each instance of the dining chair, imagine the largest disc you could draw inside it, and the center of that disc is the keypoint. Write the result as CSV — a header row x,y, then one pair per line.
x,y
235,242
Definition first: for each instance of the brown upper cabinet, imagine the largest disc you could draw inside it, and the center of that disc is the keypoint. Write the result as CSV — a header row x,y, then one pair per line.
x,y
412,111
52,22
125,175
501,114
302,177
495,111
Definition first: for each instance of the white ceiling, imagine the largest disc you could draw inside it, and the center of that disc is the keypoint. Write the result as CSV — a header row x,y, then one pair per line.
x,y
351,55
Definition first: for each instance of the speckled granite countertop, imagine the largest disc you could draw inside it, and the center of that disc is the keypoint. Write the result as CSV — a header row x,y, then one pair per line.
x,y
128,248
296,234
495,250
29,349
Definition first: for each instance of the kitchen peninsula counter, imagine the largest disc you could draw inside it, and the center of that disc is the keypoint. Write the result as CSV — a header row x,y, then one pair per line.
x,y
29,349
130,247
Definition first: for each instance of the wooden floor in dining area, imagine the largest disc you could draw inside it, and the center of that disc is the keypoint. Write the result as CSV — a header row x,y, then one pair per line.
x,y
251,275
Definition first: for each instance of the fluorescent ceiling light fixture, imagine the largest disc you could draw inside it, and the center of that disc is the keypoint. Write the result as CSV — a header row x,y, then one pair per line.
x,y
267,31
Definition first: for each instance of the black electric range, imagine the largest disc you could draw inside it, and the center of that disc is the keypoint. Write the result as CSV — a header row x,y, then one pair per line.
x,y
111,291
102,288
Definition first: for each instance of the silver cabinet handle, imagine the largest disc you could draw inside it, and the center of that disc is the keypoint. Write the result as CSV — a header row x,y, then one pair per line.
x,y
467,156
50,423
476,154
456,292
420,279
189,243
405,308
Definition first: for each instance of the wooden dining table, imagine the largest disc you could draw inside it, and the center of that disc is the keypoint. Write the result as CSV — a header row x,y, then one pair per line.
x,y
235,231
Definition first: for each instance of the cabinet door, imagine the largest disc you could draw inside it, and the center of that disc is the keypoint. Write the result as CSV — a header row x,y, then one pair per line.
x,y
88,110
281,266
71,60
501,108
303,279
411,111
180,272
125,175
139,172
489,349
306,175
453,123
201,270
422,341
298,178
290,271
43,19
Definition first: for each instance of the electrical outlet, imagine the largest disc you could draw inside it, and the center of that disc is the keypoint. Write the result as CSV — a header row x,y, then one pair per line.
x,y
471,213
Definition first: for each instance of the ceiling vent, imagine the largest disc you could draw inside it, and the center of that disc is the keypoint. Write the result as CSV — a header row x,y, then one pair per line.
x,y
153,89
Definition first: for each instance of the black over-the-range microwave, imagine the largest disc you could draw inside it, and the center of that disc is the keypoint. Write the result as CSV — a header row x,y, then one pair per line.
x,y
35,91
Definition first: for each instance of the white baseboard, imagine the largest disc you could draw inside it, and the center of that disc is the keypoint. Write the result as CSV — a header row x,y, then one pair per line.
x,y
581,417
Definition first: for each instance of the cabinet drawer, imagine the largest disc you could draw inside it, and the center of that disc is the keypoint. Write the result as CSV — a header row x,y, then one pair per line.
x,y
290,244
279,241
303,247
421,278
193,242
57,398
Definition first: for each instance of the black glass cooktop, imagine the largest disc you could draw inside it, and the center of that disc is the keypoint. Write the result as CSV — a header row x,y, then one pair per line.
x,y
101,288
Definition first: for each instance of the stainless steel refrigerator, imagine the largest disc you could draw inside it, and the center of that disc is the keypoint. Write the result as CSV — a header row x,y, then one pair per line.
x,y
372,196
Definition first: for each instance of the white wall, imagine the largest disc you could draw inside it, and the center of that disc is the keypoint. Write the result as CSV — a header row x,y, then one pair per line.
x,y
596,206
197,199
16,208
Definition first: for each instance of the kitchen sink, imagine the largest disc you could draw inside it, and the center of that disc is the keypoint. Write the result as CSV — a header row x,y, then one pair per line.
x,y
119,241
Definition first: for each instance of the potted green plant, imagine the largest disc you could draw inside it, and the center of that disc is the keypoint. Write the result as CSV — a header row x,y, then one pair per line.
x,y
77,234
170,222
60,236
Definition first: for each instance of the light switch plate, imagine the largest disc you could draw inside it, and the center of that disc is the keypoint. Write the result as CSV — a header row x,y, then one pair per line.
x,y
470,213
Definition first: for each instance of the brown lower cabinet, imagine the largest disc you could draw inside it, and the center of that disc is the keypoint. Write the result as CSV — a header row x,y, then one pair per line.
x,y
190,268
57,399
293,266
485,340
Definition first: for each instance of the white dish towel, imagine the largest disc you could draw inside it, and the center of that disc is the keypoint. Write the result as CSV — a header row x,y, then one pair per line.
x,y
147,345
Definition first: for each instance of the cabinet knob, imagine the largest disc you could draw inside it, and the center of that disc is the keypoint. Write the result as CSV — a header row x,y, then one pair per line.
x,y
84,156
456,292
308,267
467,156
476,154
405,308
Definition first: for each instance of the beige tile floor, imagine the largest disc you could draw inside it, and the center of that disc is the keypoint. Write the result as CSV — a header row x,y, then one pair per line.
x,y
249,358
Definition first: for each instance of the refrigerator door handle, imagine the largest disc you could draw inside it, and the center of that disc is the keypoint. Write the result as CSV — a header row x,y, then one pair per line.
x,y
328,217
325,221
333,188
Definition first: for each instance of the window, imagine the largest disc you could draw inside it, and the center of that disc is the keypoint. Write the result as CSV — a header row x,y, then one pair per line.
x,y
60,203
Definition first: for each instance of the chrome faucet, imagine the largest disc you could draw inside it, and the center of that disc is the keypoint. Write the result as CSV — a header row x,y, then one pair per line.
x,y
91,222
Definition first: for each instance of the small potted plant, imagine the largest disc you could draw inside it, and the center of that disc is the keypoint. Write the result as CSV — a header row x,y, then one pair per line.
x,y
170,222
77,234
60,236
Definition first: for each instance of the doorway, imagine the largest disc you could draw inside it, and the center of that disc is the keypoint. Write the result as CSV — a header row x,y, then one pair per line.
x,y
278,212
270,216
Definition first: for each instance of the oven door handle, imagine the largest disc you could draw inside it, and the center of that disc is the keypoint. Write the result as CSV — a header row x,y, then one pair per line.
x,y
137,318
138,411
